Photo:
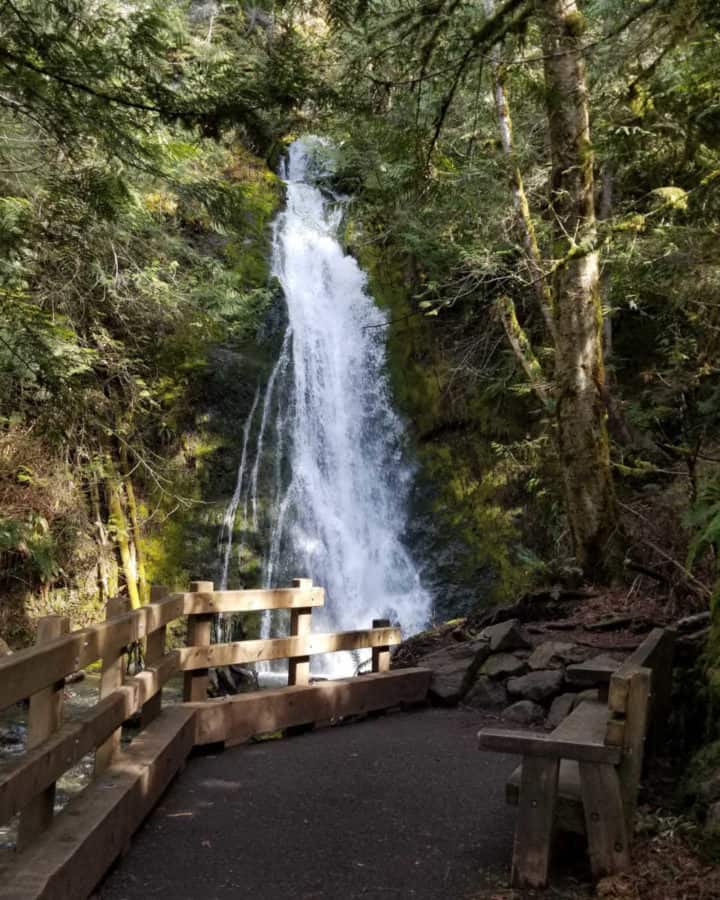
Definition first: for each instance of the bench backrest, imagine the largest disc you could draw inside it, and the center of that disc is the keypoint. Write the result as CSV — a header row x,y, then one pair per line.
x,y
639,697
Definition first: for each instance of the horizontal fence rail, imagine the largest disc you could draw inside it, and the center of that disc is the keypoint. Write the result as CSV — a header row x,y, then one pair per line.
x,y
245,652
28,671
252,601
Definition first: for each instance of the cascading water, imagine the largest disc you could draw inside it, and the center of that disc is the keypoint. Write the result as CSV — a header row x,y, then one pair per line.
x,y
339,515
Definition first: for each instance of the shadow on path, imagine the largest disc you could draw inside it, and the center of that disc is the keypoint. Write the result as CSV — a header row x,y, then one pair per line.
x,y
402,806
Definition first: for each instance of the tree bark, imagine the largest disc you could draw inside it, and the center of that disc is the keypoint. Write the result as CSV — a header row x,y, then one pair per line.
x,y
533,259
113,487
522,348
143,586
579,371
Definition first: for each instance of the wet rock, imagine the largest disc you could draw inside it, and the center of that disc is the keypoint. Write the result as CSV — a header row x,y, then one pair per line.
x,y
537,686
504,636
486,694
233,680
524,712
244,679
503,665
454,668
12,736
75,677
555,654
560,709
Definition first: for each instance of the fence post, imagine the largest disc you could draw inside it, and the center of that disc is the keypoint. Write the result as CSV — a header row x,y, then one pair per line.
x,y
113,673
299,668
300,624
381,655
45,716
199,634
154,652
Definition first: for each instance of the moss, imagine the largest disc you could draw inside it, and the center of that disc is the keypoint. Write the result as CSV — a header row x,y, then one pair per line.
x,y
461,476
223,364
575,24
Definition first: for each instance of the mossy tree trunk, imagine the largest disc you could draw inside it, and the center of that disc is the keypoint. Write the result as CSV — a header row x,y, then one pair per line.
x,y
525,224
579,373
107,584
119,523
142,582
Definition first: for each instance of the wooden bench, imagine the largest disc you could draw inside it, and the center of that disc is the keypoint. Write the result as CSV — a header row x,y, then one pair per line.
x,y
584,776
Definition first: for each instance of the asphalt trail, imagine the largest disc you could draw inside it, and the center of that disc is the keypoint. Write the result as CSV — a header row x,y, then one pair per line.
x,y
400,806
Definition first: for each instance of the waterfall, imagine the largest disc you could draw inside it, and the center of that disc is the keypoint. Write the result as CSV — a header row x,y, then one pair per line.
x,y
226,535
339,514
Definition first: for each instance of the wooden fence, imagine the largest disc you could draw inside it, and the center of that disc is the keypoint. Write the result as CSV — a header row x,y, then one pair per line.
x,y
64,856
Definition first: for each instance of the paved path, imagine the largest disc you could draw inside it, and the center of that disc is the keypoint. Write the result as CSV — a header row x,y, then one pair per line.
x,y
402,806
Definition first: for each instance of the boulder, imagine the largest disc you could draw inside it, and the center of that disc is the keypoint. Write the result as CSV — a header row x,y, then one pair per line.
x,y
4,649
560,709
486,694
504,636
12,736
503,665
454,668
537,686
233,680
524,712
556,654
244,679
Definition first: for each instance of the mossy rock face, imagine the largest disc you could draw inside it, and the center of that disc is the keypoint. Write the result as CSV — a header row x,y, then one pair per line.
x,y
458,528
232,361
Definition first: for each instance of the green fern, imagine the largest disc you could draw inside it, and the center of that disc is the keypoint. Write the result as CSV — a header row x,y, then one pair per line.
x,y
704,519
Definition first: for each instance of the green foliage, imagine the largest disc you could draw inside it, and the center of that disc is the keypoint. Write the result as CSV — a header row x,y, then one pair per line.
x,y
134,229
28,549
704,520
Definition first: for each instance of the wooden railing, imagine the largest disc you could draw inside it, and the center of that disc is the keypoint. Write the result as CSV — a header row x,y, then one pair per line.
x,y
27,783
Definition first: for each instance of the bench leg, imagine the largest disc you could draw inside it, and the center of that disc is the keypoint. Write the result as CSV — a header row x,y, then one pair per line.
x,y
536,814
604,819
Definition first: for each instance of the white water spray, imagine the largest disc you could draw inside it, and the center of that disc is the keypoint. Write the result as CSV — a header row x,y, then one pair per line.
x,y
340,517
226,535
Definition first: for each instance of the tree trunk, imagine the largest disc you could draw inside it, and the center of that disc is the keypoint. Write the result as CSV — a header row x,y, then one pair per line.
x,y
143,586
525,223
113,486
579,371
